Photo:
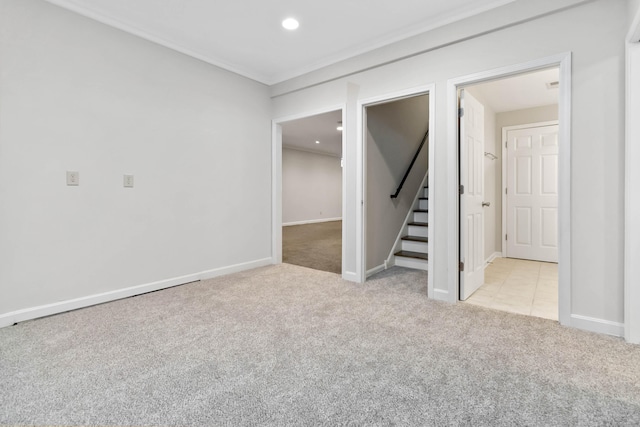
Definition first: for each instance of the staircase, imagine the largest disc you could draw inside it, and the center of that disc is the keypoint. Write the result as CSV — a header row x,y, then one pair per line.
x,y
412,246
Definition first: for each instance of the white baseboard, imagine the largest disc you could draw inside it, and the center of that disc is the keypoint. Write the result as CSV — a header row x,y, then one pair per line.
x,y
350,276
12,317
492,257
311,221
597,325
376,270
440,295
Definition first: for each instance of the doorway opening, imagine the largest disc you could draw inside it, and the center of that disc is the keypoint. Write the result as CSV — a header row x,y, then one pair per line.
x,y
311,173
509,181
396,157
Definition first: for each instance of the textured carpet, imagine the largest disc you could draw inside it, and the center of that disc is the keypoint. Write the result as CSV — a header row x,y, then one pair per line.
x,y
317,246
286,345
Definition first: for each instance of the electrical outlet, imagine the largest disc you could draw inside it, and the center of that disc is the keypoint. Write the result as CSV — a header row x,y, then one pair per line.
x,y
128,181
73,178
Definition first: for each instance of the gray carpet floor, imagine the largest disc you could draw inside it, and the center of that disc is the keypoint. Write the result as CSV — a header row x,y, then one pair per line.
x,y
287,345
317,246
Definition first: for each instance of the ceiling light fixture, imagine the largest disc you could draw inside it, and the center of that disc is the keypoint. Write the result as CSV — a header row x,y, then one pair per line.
x,y
339,126
317,142
290,24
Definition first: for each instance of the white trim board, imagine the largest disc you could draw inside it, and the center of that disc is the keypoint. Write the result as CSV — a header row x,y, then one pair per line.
x,y
311,221
597,325
30,313
632,193
376,270
563,61
429,89
276,181
492,258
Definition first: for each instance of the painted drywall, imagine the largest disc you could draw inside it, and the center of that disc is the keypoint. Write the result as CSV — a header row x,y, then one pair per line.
x,y
311,187
76,95
591,31
394,132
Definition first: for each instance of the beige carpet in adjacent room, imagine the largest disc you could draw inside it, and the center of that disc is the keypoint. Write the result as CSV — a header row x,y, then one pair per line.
x,y
317,246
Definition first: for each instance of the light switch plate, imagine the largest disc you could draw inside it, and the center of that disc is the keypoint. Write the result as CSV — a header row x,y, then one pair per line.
x,y
73,178
128,181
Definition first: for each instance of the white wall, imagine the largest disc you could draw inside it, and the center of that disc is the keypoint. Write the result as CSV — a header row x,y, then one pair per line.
x,y
78,95
592,33
311,187
394,132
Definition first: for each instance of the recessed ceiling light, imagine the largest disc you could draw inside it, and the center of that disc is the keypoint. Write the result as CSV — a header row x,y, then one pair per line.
x,y
290,24
317,142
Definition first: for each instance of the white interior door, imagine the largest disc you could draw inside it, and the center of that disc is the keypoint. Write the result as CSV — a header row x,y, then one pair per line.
x,y
532,193
471,208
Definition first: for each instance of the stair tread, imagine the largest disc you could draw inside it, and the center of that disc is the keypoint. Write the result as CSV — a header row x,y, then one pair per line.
x,y
423,198
416,239
411,254
419,224
420,210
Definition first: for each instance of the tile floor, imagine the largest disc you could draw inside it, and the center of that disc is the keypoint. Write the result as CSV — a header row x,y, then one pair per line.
x,y
520,286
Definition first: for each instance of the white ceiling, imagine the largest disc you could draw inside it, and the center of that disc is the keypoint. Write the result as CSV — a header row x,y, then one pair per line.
x,y
519,92
302,134
246,36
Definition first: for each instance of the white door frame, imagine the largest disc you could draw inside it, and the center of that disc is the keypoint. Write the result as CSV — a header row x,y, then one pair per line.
x,y
276,178
563,61
631,189
362,173
505,130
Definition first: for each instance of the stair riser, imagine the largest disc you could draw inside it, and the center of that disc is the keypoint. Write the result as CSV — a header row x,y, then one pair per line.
x,y
414,246
421,217
418,264
424,204
425,193
418,231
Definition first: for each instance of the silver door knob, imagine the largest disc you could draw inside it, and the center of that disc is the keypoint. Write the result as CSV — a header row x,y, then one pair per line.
x,y
486,204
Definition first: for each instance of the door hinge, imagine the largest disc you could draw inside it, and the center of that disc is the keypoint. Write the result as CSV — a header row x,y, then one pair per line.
x,y
506,144
506,191
506,237
460,112
462,189
461,266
